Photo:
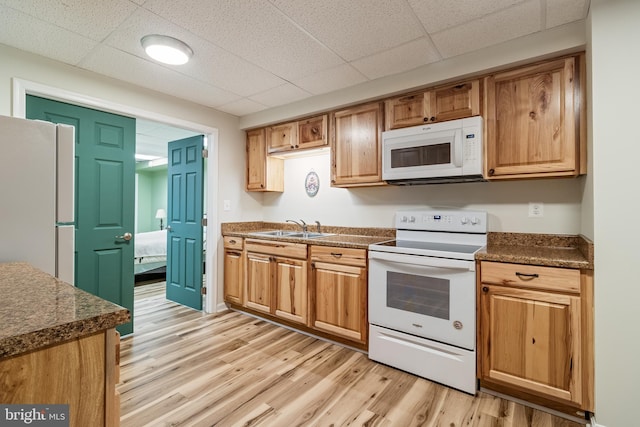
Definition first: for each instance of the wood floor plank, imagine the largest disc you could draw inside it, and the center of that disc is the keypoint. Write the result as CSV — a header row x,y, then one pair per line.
x,y
182,367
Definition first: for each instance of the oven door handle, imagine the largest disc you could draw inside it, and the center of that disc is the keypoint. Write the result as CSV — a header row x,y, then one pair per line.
x,y
423,261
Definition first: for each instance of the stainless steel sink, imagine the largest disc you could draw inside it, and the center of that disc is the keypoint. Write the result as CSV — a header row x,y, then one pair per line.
x,y
310,235
274,233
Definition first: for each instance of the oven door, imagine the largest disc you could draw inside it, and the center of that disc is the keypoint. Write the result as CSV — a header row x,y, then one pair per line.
x,y
424,296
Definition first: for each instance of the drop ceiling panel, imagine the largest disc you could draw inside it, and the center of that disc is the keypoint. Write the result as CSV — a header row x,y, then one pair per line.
x,y
280,95
437,15
25,32
560,12
94,19
370,27
330,80
242,106
254,30
399,59
489,30
210,64
124,66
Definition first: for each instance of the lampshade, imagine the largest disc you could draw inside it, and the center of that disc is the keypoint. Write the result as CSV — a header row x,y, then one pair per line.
x,y
160,214
166,49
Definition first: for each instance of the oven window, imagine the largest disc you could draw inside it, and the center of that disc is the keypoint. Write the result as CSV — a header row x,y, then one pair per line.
x,y
419,294
424,155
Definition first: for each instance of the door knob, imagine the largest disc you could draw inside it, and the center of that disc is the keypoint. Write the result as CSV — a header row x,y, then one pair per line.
x,y
125,236
168,227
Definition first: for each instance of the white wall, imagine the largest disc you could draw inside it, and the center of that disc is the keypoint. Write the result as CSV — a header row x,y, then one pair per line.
x,y
615,34
506,202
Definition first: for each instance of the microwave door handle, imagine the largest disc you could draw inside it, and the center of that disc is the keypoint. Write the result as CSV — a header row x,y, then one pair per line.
x,y
457,147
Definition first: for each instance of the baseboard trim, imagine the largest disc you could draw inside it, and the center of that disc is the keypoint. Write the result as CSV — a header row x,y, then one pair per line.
x,y
587,423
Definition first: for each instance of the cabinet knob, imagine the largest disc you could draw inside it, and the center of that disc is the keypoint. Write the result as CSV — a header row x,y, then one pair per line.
x,y
492,171
485,289
314,131
426,119
433,119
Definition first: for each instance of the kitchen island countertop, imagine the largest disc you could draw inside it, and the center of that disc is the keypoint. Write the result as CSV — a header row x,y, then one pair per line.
x,y
38,310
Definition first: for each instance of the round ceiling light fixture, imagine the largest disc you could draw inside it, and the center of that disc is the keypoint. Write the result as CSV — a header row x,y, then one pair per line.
x,y
166,49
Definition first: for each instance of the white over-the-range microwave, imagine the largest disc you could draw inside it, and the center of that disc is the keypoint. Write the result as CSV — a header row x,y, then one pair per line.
x,y
435,153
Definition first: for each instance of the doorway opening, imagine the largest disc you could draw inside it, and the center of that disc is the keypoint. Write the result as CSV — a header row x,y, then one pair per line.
x,y
22,88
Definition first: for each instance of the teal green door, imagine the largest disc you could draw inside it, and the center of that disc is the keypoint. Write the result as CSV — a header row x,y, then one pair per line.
x,y
184,221
104,197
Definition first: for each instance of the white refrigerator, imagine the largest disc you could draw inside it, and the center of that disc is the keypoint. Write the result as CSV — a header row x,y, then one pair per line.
x,y
37,195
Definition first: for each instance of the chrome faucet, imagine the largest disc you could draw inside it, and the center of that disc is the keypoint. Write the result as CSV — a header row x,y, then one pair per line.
x,y
302,224
318,226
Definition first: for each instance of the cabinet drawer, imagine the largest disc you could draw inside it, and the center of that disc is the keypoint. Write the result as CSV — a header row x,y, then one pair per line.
x,y
531,276
272,247
335,255
231,242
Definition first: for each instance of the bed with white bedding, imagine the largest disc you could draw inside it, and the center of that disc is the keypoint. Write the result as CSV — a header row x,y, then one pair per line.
x,y
150,254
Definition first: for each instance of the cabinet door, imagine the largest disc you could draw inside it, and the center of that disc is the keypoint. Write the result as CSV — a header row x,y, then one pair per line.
x,y
291,289
282,137
454,101
531,340
263,173
404,111
312,132
233,276
340,300
531,121
356,146
259,278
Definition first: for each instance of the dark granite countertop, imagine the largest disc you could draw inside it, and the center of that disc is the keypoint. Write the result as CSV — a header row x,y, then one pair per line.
x,y
344,237
38,310
551,250
539,249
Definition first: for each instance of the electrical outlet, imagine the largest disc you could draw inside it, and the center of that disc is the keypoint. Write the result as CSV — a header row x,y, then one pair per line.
x,y
536,210
226,205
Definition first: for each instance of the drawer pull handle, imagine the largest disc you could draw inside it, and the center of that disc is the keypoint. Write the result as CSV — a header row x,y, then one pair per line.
x,y
527,276
233,242
336,254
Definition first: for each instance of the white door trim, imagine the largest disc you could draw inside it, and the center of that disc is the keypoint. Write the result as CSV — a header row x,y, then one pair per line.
x,y
23,87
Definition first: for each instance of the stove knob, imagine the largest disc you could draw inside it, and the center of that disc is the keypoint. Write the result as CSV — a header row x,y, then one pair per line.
x,y
464,220
403,219
475,221
412,219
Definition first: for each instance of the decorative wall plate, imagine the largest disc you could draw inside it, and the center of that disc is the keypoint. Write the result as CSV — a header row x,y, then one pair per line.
x,y
312,184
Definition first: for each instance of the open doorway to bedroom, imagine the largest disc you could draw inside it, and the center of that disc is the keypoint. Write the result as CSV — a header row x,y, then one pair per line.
x,y
151,183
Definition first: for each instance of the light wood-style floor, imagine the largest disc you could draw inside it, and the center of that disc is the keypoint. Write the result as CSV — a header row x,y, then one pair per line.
x,y
186,368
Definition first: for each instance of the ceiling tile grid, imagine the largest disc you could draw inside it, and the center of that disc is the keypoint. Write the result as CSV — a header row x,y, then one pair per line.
x,y
251,55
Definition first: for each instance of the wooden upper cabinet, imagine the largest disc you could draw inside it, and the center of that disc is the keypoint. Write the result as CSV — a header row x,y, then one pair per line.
x,y
535,121
356,146
454,101
313,132
282,137
263,173
307,133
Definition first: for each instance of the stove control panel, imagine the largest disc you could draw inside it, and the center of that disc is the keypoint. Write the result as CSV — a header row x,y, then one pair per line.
x,y
443,220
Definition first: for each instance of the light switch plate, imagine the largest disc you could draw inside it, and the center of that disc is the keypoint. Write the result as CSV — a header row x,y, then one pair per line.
x,y
226,205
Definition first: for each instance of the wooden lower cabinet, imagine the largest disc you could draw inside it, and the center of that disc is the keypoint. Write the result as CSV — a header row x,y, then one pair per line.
x,y
535,333
339,282
82,373
277,279
233,270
